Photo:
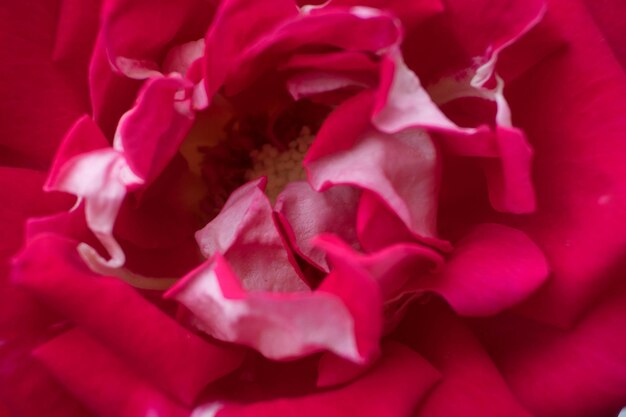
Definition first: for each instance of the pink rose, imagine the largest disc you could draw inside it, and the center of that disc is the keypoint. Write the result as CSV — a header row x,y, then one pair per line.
x,y
372,208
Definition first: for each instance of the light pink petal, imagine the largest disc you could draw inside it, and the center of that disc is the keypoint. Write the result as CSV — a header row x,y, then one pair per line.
x,y
306,213
151,132
152,343
246,233
492,268
100,380
342,316
393,388
471,385
309,84
400,169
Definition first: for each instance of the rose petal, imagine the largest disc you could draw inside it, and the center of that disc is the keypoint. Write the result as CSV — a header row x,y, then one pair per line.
x,y
334,212
246,234
173,358
151,133
100,380
392,389
493,267
400,168
341,316
471,385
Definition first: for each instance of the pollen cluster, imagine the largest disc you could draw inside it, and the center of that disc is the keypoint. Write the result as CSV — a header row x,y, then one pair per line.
x,y
280,167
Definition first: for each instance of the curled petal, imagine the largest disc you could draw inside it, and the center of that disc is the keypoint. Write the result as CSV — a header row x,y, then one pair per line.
x,y
247,235
342,315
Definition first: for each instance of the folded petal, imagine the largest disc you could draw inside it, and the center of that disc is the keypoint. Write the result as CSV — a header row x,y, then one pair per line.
x,y
306,213
342,316
246,233
573,373
173,358
471,385
401,169
492,268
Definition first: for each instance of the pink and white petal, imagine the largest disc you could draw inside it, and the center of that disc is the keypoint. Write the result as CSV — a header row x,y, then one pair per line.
x,y
246,233
308,84
471,385
492,268
400,169
391,267
150,133
148,340
306,213
393,388
100,380
341,316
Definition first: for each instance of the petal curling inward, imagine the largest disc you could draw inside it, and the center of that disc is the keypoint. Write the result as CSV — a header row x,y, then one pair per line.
x,y
146,339
401,168
393,388
248,237
150,133
342,315
101,177
282,30
306,213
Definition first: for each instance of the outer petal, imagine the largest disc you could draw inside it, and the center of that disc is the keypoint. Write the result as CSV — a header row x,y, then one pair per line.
x,y
176,360
392,389
100,380
471,385
492,268
342,316
609,15
576,373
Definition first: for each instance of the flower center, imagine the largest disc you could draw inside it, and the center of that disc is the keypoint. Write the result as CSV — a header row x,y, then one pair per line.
x,y
280,167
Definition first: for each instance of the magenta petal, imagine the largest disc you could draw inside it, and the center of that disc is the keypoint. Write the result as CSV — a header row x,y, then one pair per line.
x,y
342,316
578,372
471,385
100,380
306,213
492,268
400,169
151,133
579,172
393,388
175,359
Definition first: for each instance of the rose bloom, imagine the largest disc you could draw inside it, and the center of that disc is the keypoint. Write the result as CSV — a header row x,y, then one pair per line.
x,y
369,208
